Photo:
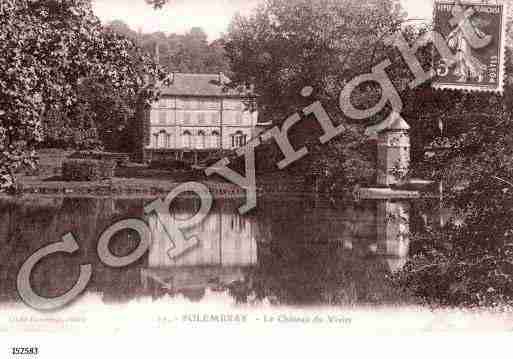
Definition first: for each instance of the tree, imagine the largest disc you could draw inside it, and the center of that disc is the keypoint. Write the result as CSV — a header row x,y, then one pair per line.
x,y
189,52
121,28
468,261
284,46
103,118
48,48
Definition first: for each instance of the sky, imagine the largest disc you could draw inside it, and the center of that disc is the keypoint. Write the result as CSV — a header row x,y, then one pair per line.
x,y
213,16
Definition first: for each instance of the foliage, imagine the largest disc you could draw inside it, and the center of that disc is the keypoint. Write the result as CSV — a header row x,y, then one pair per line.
x,y
189,53
348,161
48,48
58,132
468,262
120,158
87,170
102,119
169,165
287,45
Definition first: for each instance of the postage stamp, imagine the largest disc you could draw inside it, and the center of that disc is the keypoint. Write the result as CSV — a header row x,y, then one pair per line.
x,y
476,33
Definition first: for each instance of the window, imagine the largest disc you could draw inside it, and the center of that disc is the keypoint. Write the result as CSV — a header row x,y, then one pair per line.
x,y
168,140
210,104
215,140
162,139
155,141
154,116
187,118
187,138
201,118
239,139
192,104
200,140
214,118
166,103
237,223
233,105
162,117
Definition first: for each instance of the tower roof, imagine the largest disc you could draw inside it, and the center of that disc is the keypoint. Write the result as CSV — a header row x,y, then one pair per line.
x,y
394,122
398,124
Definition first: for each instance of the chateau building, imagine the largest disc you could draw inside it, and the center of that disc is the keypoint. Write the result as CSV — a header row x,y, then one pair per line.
x,y
198,114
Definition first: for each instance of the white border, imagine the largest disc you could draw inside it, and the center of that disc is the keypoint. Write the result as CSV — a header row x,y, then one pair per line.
x,y
290,343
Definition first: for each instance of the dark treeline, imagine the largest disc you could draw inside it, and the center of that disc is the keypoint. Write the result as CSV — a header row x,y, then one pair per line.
x,y
190,52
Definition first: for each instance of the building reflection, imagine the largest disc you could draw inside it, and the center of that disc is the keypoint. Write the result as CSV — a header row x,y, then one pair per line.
x,y
296,252
227,249
377,229
235,254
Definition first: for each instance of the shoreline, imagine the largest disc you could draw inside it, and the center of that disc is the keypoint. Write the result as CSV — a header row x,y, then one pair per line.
x,y
140,188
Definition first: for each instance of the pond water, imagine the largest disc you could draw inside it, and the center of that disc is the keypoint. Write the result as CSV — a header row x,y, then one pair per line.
x,y
287,252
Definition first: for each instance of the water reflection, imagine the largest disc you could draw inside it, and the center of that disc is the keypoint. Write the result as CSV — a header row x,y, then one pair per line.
x,y
227,246
287,252
393,231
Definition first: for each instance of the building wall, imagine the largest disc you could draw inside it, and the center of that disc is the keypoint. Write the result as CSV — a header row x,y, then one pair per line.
x,y
393,157
178,123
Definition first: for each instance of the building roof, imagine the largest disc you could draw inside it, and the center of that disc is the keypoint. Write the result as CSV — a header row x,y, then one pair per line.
x,y
211,85
398,124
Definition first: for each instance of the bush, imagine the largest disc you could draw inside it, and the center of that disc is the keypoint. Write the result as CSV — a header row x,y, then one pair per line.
x,y
121,159
87,170
169,165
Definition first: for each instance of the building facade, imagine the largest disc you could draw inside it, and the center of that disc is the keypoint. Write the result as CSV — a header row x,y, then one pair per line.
x,y
196,115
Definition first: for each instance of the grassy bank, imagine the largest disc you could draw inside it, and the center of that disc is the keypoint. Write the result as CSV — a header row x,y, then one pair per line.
x,y
140,180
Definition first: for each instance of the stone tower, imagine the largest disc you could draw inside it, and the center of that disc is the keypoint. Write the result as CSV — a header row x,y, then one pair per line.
x,y
393,151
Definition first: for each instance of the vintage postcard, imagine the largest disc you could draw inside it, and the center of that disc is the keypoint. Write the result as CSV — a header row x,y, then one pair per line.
x,y
219,175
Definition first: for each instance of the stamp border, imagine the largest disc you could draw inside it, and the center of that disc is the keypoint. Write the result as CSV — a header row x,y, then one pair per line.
x,y
502,51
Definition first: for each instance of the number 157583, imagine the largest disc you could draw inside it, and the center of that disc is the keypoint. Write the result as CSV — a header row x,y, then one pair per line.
x,y
24,351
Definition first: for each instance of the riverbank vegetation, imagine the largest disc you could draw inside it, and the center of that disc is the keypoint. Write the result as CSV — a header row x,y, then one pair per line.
x,y
470,260
138,180
50,51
